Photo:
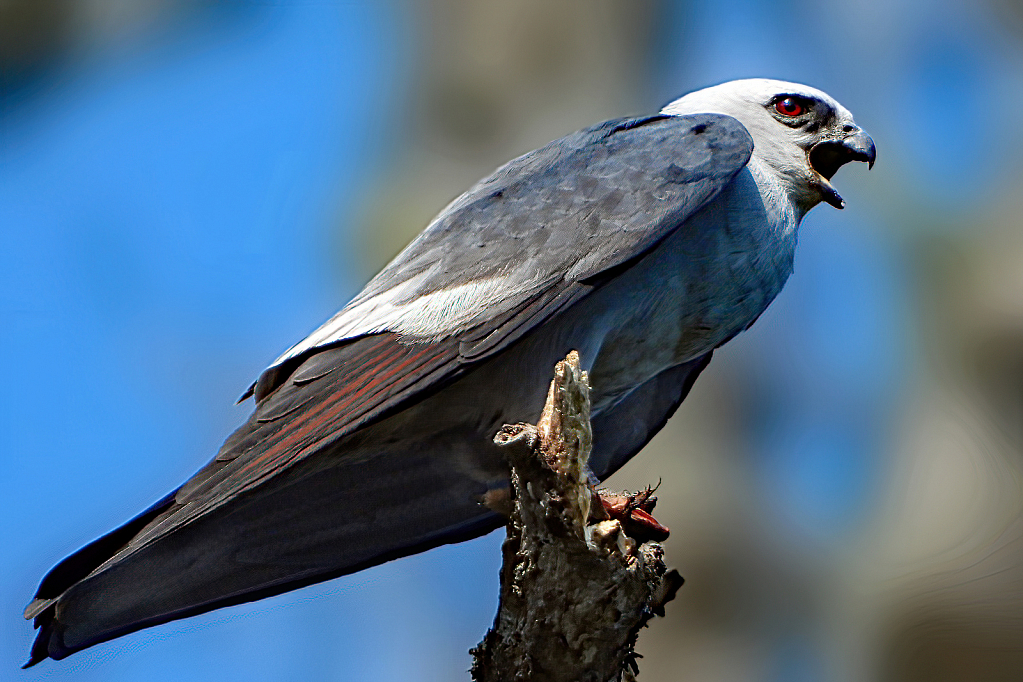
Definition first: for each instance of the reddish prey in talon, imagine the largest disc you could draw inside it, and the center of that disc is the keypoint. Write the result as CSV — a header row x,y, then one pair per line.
x,y
633,511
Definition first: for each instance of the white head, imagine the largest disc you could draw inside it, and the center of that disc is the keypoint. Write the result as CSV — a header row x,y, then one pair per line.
x,y
799,132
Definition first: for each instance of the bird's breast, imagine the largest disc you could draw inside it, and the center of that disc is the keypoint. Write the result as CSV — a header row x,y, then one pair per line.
x,y
707,282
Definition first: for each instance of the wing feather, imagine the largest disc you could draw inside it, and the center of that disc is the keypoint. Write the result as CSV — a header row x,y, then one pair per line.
x,y
518,248
559,215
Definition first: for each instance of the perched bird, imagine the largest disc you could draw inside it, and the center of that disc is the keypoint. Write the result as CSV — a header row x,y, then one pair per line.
x,y
643,243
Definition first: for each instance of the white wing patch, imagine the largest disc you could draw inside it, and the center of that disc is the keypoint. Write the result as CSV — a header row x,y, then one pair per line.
x,y
441,312
401,310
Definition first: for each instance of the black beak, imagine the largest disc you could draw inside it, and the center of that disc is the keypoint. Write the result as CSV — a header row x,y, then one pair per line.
x,y
828,156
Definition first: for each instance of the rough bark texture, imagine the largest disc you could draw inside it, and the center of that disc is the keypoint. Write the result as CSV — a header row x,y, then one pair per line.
x,y
575,590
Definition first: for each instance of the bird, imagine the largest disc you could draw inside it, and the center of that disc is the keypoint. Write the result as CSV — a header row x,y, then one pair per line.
x,y
642,243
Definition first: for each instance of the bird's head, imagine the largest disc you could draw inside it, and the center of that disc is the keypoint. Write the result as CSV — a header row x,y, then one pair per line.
x,y
799,132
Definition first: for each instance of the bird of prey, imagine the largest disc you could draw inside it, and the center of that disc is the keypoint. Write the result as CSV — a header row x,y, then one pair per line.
x,y
643,243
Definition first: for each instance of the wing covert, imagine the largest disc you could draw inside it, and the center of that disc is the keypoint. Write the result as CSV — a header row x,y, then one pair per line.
x,y
562,214
522,245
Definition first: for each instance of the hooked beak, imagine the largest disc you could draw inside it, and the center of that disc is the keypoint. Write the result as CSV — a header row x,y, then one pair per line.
x,y
828,156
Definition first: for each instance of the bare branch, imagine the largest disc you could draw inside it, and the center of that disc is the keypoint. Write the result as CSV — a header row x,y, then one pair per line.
x,y
575,589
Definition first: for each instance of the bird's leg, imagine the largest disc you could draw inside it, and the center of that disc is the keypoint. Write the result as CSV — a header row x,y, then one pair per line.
x,y
632,510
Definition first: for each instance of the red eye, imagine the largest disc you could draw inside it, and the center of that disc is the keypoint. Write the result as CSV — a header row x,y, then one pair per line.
x,y
789,106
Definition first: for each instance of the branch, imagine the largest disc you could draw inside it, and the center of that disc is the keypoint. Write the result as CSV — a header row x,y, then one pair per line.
x,y
575,589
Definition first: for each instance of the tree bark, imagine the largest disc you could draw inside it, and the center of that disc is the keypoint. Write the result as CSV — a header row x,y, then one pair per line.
x,y
575,589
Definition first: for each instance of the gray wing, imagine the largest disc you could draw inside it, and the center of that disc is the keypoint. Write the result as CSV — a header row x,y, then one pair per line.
x,y
547,228
521,246
541,226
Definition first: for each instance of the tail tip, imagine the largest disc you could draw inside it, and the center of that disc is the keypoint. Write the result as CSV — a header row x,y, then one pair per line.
x,y
40,650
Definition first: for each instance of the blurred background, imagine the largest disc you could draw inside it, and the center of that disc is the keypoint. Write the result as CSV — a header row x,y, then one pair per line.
x,y
188,187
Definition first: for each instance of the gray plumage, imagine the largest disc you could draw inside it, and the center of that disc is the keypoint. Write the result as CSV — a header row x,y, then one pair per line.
x,y
643,243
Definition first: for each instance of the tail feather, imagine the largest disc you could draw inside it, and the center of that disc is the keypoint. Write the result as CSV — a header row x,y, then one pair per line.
x,y
325,518
76,568
49,642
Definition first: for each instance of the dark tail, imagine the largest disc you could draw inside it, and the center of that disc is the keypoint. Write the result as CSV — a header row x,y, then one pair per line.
x,y
75,568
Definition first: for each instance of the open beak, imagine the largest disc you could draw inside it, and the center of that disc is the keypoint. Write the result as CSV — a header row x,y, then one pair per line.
x,y
828,156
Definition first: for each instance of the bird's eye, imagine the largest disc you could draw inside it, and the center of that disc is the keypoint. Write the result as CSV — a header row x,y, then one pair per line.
x,y
789,106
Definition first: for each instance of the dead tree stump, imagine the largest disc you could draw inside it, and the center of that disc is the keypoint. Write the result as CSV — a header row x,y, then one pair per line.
x,y
575,589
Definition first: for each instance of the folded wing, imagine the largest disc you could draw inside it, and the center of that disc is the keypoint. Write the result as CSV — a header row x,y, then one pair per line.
x,y
521,246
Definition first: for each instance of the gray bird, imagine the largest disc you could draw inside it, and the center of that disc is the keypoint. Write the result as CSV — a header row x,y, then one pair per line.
x,y
643,243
